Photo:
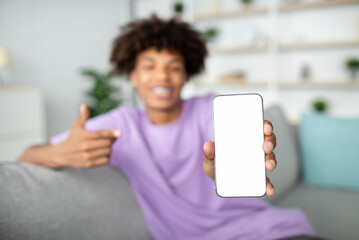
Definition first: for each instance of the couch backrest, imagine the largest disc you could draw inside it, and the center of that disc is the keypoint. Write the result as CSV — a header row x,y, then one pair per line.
x,y
286,175
39,203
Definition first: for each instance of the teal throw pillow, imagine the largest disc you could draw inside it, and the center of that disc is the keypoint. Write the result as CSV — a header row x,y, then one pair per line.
x,y
330,151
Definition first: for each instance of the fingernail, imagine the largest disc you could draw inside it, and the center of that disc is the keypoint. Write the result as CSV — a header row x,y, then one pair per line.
x,y
268,128
272,162
270,145
270,191
117,133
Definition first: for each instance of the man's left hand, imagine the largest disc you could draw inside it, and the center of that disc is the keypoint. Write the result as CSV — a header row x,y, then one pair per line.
x,y
269,145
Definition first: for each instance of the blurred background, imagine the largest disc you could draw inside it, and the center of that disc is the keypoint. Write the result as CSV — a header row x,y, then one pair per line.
x,y
302,56
54,56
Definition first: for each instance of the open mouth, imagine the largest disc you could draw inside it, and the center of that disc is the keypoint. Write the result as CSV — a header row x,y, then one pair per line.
x,y
162,92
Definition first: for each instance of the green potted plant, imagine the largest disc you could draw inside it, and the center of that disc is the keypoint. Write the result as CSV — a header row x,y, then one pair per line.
x,y
102,96
246,2
210,33
320,105
178,8
353,66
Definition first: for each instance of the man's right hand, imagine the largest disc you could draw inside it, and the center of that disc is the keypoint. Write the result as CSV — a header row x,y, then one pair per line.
x,y
83,148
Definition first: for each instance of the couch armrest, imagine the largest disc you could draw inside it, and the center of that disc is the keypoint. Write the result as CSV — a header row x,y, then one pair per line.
x,y
40,203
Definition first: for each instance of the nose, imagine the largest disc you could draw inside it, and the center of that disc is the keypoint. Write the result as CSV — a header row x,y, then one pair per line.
x,y
162,74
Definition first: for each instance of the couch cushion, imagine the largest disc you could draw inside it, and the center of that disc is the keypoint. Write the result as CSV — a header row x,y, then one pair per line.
x,y
39,203
287,172
330,151
333,213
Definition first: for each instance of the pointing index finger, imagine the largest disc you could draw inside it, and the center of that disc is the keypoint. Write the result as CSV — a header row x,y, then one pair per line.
x,y
102,134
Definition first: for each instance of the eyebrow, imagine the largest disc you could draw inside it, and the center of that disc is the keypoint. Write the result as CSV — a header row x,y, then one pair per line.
x,y
172,61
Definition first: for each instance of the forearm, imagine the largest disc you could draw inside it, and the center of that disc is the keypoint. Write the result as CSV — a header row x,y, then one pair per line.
x,y
40,154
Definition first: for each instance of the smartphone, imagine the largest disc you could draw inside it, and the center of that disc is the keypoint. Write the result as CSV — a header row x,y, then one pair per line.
x,y
238,138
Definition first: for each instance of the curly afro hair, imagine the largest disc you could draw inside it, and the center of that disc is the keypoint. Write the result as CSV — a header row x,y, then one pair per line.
x,y
172,34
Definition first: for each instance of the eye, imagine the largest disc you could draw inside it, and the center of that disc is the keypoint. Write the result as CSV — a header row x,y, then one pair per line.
x,y
176,69
148,67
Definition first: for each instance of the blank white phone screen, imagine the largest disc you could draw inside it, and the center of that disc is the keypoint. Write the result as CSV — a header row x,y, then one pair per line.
x,y
238,138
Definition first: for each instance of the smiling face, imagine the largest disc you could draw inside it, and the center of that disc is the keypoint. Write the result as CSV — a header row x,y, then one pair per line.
x,y
159,77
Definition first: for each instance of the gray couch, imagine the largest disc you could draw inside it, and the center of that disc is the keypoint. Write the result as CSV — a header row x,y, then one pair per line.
x,y
38,203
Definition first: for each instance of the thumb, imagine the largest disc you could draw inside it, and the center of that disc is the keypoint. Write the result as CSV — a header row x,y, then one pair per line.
x,y
208,151
208,157
84,115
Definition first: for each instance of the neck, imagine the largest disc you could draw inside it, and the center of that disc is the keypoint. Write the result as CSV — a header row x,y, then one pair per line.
x,y
159,117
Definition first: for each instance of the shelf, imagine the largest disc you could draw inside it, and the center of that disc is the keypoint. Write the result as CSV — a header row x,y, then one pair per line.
x,y
10,87
283,47
304,45
249,48
245,11
316,84
310,84
314,4
229,82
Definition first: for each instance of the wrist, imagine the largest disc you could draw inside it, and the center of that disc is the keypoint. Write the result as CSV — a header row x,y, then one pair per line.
x,y
55,156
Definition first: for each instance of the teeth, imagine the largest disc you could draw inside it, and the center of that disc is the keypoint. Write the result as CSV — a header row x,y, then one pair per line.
x,y
161,90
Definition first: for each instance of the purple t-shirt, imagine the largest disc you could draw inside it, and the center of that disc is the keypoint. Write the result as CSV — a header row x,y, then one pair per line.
x,y
178,201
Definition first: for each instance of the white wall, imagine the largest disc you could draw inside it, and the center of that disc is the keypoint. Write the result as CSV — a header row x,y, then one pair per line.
x,y
50,41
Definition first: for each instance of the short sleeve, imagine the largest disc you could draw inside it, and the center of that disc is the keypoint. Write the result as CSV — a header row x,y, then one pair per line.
x,y
104,121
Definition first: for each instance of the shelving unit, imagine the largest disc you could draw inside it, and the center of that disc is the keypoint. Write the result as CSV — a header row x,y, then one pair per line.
x,y
273,48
